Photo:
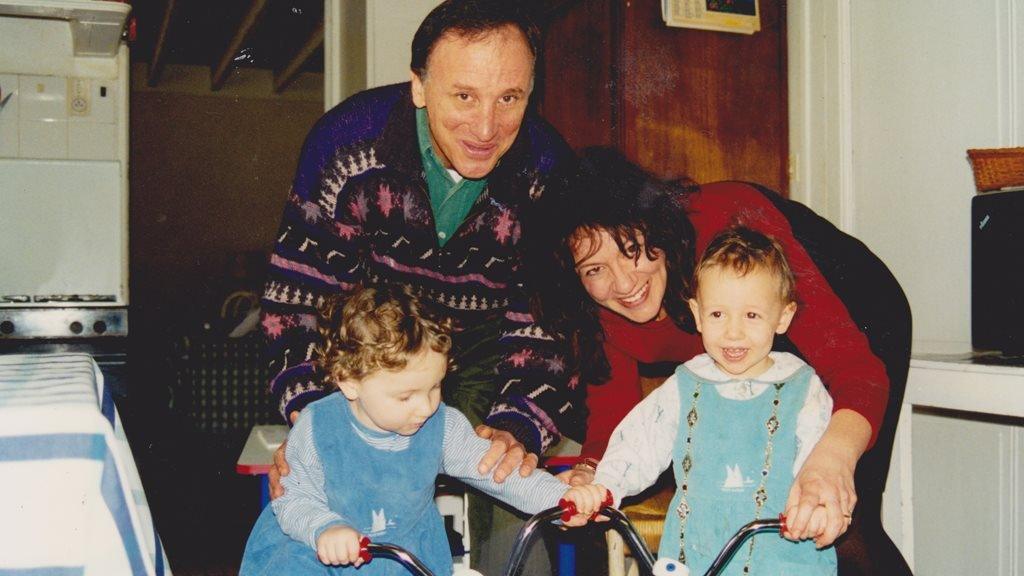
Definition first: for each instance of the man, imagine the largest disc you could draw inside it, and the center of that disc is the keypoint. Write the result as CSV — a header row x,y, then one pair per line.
x,y
431,184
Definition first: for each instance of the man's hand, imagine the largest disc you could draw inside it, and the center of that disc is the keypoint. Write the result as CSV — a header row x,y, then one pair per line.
x,y
506,452
280,467
339,545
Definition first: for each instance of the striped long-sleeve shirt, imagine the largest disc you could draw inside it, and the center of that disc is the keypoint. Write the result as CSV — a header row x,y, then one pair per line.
x,y
303,512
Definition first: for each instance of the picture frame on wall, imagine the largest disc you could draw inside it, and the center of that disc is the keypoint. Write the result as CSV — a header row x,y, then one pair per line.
x,y
739,16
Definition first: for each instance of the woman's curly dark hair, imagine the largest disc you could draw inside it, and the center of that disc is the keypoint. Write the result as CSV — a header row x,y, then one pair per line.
x,y
609,193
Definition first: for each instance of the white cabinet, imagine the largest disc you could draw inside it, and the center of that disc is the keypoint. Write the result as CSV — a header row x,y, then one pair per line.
x,y
955,498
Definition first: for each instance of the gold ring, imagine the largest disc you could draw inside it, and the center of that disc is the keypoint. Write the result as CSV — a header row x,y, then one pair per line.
x,y
848,516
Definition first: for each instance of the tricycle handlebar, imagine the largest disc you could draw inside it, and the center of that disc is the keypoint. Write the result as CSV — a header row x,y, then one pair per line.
x,y
619,522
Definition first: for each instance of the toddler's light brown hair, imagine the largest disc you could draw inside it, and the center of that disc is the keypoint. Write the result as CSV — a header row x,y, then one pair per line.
x,y
743,249
377,328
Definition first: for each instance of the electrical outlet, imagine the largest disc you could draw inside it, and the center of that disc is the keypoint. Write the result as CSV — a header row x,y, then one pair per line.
x,y
79,97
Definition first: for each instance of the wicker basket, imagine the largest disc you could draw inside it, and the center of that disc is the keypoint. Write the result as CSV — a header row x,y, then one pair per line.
x,y
996,168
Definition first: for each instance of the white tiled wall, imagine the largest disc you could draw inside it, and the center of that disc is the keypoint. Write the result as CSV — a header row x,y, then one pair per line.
x,y
54,117
9,116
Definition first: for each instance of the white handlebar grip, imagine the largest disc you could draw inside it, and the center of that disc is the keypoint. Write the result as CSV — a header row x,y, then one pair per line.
x,y
669,567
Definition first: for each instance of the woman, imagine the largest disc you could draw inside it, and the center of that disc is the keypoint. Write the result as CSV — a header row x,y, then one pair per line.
x,y
616,286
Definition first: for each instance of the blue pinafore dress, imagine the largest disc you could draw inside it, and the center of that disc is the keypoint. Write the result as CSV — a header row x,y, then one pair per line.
x,y
388,496
733,463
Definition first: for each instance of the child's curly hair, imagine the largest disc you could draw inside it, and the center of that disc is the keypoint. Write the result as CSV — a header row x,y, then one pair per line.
x,y
377,328
742,249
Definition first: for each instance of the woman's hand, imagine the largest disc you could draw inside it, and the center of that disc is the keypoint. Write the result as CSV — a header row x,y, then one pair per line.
x,y
576,477
826,480
581,473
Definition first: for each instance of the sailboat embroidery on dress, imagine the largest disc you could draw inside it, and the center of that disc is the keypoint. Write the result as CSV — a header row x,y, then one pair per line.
x,y
734,480
380,523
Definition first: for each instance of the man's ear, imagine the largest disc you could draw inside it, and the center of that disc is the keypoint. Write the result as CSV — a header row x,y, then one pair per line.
x,y
350,388
787,316
418,96
695,310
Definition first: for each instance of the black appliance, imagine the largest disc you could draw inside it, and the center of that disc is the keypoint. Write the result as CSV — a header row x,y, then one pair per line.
x,y
997,277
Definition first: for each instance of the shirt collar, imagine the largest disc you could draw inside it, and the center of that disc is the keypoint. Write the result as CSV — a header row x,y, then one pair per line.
x,y
431,163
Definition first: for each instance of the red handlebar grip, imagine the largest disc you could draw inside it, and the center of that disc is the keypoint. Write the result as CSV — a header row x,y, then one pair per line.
x,y
569,507
782,528
364,554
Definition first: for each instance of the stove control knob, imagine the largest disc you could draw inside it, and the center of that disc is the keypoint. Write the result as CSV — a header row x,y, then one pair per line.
x,y
99,327
6,327
76,327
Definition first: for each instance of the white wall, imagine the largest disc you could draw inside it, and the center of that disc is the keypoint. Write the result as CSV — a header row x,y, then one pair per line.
x,y
886,96
367,43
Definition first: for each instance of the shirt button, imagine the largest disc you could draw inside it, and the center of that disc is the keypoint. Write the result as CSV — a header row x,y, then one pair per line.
x,y
442,235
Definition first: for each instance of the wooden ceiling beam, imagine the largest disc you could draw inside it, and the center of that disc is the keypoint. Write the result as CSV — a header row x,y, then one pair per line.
x,y
247,25
284,76
156,63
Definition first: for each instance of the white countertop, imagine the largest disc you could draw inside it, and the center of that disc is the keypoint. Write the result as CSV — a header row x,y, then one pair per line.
x,y
962,382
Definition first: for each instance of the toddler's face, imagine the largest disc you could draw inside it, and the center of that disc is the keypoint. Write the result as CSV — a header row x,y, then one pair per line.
x,y
738,318
400,401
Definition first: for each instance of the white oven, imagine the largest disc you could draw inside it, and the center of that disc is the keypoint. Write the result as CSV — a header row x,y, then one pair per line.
x,y
63,170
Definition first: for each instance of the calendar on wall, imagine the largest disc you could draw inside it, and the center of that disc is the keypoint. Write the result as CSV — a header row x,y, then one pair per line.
x,y
740,16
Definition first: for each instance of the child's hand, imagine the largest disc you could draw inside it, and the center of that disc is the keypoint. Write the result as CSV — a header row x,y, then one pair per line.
x,y
817,525
338,545
589,500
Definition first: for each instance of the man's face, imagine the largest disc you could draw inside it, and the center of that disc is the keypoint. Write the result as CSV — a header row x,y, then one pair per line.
x,y
475,91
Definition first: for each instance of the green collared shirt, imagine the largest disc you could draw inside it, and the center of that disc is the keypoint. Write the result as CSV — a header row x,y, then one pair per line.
x,y
449,199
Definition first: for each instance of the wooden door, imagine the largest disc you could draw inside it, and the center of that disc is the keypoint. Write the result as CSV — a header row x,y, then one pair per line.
x,y
680,102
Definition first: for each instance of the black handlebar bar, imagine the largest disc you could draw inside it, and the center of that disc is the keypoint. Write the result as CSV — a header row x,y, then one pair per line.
x,y
619,522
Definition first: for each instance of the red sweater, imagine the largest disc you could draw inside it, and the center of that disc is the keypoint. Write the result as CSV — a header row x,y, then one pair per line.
x,y
822,330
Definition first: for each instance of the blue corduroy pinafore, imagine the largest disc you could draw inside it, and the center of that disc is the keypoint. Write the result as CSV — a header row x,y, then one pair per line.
x,y
388,496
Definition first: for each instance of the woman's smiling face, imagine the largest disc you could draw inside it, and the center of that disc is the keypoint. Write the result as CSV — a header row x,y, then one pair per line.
x,y
629,284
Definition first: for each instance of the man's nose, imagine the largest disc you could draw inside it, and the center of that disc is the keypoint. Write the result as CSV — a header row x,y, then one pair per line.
x,y
486,125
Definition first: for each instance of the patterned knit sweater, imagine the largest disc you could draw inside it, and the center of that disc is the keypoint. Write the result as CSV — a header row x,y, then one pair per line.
x,y
359,211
